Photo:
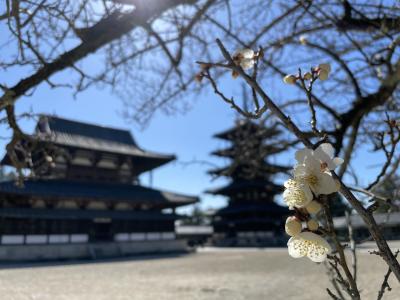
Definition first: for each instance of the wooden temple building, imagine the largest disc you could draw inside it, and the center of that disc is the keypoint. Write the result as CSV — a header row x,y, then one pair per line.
x,y
251,218
85,199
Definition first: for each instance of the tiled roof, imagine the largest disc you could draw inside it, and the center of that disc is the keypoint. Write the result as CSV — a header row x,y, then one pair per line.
x,y
245,127
72,214
93,137
270,207
238,186
66,189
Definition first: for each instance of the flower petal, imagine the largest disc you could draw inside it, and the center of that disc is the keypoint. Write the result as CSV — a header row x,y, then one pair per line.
x,y
317,247
313,165
317,254
301,154
337,161
296,194
326,184
322,156
247,53
247,63
328,149
300,171
297,247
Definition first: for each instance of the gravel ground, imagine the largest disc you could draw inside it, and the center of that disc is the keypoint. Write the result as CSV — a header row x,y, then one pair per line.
x,y
209,274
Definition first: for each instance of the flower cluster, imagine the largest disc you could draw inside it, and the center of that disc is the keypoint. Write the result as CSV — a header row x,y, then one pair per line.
x,y
311,177
245,58
321,72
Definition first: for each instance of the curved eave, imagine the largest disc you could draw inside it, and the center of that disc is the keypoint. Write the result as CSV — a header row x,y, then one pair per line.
x,y
266,220
230,152
228,171
77,214
271,207
250,127
65,189
232,189
142,162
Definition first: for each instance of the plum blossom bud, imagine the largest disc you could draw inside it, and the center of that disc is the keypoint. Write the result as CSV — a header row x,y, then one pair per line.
x,y
313,207
198,77
323,71
307,76
205,66
289,79
235,74
326,67
323,74
292,226
49,159
303,39
312,225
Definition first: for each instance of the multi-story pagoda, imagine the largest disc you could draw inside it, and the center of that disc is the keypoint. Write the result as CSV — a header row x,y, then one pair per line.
x,y
251,218
85,199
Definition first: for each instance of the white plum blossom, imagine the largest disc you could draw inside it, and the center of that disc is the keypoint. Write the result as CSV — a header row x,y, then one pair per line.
x,y
324,154
309,244
312,177
244,58
297,194
317,178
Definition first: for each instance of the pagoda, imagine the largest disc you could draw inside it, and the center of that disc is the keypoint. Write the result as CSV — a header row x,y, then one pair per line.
x,y
85,198
251,218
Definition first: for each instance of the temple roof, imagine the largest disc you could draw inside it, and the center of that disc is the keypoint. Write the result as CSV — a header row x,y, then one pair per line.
x,y
250,220
266,169
43,213
246,127
116,192
269,207
234,151
74,134
237,186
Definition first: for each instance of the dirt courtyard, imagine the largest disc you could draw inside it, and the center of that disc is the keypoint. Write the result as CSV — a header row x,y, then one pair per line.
x,y
233,274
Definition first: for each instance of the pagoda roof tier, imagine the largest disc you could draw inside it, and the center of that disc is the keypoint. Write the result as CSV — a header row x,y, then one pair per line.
x,y
72,214
234,151
77,135
237,186
246,127
91,191
270,207
252,220
265,168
